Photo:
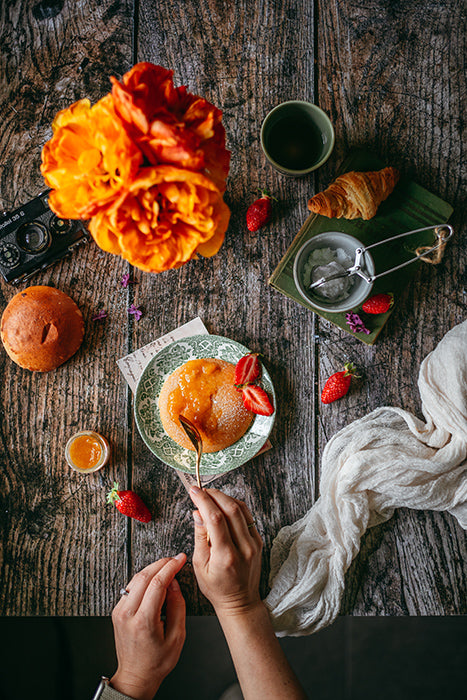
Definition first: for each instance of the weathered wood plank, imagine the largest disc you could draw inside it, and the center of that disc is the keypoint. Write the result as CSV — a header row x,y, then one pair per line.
x,y
386,86
64,552
242,57
380,76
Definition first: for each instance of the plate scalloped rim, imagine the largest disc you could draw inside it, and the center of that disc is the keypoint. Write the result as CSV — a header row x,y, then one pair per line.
x,y
147,416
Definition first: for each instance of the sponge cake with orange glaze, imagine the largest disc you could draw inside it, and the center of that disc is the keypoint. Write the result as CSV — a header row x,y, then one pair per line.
x,y
204,392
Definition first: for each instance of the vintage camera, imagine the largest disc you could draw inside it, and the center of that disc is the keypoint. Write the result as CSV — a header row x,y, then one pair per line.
x,y
33,238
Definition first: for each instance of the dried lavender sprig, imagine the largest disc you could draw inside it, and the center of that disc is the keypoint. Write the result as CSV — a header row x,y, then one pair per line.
x,y
356,324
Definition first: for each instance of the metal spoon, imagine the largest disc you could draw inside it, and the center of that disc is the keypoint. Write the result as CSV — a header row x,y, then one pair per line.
x,y
195,439
335,276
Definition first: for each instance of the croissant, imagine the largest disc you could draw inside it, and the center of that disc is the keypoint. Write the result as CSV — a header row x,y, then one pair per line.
x,y
355,195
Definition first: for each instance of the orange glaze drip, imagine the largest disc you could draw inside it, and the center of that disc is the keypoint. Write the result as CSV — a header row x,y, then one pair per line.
x,y
85,452
204,392
197,385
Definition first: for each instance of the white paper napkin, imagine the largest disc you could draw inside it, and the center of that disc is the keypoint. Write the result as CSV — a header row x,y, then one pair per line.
x,y
132,365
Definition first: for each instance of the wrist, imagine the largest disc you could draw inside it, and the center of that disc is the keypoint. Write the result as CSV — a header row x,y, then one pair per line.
x,y
135,688
248,613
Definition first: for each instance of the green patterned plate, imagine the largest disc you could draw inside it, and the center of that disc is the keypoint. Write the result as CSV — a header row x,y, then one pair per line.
x,y
147,411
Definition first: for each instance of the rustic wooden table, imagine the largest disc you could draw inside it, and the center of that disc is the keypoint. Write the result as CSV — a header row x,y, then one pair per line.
x,y
390,75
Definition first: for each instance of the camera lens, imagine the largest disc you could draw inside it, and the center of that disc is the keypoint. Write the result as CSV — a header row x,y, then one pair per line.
x,y
33,237
59,225
9,255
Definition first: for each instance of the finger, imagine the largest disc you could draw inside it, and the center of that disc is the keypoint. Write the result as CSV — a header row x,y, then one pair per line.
x,y
202,551
156,591
175,615
235,517
251,524
137,587
213,519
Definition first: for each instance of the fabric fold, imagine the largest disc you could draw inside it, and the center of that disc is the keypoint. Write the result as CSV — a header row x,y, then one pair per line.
x,y
386,460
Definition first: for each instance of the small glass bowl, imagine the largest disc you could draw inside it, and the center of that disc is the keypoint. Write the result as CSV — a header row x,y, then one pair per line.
x,y
105,451
334,240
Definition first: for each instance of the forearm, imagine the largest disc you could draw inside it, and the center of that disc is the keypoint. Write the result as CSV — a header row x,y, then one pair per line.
x,y
262,668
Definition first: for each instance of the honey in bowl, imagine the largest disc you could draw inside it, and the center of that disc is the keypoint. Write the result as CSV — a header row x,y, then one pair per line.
x,y
203,391
87,451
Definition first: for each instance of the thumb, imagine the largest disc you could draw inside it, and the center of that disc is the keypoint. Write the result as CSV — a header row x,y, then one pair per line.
x,y
202,546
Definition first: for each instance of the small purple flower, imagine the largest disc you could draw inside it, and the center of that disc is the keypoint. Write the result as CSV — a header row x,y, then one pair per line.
x,y
135,311
356,324
125,281
100,316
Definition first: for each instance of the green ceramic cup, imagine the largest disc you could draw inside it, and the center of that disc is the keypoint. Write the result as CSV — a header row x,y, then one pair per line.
x,y
297,137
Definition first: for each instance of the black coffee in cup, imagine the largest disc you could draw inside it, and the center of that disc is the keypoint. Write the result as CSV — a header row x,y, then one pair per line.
x,y
297,137
295,142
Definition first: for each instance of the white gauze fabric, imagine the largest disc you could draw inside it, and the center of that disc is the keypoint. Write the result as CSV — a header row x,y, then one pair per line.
x,y
388,459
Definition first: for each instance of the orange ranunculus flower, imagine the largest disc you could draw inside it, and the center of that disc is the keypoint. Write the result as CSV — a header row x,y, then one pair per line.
x,y
89,160
166,217
171,125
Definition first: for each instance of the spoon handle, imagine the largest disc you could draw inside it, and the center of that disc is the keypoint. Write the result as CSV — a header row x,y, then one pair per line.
x,y
323,280
198,460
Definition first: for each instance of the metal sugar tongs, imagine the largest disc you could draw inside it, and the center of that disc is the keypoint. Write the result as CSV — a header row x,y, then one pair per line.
x,y
442,231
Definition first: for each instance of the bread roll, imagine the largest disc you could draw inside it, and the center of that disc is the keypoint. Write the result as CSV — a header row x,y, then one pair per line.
x,y
41,328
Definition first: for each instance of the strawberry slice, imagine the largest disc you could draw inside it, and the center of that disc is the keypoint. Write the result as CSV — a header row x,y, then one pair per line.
x,y
247,369
256,400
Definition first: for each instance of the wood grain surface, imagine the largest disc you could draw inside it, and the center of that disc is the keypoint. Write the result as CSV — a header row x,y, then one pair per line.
x,y
390,75
386,87
64,552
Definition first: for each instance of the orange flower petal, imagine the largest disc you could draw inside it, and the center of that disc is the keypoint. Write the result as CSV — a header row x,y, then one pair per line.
x,y
167,216
171,125
90,159
212,246
103,234
70,113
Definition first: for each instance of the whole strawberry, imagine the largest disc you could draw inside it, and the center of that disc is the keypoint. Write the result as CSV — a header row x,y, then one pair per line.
x,y
129,503
378,304
259,213
338,384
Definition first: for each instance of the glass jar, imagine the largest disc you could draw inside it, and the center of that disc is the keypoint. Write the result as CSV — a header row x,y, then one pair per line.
x,y
87,451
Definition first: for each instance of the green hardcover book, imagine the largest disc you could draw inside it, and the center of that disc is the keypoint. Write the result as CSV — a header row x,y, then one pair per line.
x,y
409,207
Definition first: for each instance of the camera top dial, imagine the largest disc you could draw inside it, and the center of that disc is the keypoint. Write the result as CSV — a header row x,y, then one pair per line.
x,y
9,255
59,226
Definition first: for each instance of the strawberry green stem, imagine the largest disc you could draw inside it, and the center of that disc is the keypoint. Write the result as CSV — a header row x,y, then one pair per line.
x,y
266,195
113,496
350,369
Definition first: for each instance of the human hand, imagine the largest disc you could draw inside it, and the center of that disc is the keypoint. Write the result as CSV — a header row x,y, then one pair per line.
x,y
147,650
228,564
228,574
